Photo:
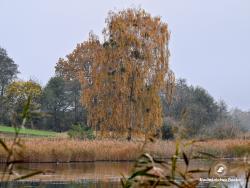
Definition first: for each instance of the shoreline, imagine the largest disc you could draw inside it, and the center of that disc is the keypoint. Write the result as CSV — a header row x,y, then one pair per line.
x,y
241,159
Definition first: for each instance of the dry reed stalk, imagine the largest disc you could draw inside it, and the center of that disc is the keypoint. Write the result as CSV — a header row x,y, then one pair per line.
x,y
66,150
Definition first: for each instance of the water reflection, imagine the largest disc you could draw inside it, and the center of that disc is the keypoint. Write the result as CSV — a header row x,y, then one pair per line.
x,y
108,171
106,174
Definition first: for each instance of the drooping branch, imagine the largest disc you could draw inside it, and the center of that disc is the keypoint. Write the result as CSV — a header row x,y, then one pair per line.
x,y
123,77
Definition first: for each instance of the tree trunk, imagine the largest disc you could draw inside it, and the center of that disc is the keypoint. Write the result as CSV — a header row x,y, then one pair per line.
x,y
131,108
2,90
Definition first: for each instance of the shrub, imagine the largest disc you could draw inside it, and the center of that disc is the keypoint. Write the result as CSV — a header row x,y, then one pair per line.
x,y
167,130
81,132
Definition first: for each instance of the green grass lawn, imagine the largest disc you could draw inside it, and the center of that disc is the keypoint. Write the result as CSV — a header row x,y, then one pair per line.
x,y
33,132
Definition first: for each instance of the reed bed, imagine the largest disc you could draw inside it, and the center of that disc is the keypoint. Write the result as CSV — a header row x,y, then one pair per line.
x,y
68,150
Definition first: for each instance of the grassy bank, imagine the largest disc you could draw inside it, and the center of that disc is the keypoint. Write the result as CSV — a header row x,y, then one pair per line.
x,y
65,150
24,131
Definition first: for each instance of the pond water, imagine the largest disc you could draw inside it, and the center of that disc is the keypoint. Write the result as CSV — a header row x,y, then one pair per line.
x,y
105,174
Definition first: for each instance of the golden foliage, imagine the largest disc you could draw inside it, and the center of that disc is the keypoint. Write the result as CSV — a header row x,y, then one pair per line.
x,y
124,77
20,91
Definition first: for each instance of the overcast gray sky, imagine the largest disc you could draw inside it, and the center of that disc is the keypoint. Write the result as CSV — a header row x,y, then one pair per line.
x,y
210,39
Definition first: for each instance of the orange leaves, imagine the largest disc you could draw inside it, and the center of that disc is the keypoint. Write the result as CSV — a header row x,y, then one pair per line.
x,y
116,74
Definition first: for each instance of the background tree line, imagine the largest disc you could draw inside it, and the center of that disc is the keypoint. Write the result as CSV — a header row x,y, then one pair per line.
x,y
53,107
191,112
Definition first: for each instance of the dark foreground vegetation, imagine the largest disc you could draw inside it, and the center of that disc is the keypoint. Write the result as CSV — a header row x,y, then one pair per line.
x,y
149,171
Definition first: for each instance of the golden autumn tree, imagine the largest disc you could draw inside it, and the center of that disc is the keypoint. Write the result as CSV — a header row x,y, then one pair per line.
x,y
18,93
124,77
